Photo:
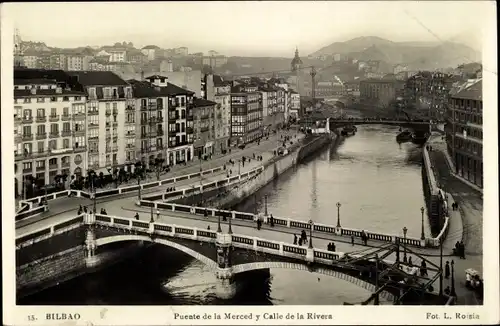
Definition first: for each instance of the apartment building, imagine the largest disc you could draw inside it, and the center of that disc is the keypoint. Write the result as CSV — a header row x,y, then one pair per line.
x,y
108,99
150,117
222,96
464,130
78,62
246,114
50,128
380,92
269,99
204,127
179,136
295,104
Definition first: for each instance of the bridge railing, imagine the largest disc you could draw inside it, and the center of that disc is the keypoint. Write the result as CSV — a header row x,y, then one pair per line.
x,y
101,194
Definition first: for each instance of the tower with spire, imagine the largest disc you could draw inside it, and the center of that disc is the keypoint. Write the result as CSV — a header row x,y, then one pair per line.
x,y
296,61
18,52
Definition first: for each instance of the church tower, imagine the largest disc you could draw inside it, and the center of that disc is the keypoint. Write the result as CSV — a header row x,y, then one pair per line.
x,y
296,66
18,54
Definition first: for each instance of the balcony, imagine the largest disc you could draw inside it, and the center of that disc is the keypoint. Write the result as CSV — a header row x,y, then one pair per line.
x,y
108,136
53,166
41,118
108,112
40,168
127,122
130,134
54,134
79,116
66,117
65,164
160,133
115,148
172,133
93,112
115,111
129,108
27,119
17,119
54,117
115,123
129,146
204,129
79,132
108,162
93,125
28,170
41,135
80,149
205,116
27,137
189,130
66,133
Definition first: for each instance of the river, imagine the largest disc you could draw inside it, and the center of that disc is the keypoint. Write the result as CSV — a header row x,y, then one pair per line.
x,y
377,181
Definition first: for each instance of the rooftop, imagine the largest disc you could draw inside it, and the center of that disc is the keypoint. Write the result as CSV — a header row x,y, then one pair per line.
x,y
144,89
94,78
470,90
45,92
151,47
153,77
200,102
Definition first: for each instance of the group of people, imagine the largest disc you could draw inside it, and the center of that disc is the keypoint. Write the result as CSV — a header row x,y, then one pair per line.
x,y
170,189
300,240
331,247
454,206
459,249
82,210
364,238
103,212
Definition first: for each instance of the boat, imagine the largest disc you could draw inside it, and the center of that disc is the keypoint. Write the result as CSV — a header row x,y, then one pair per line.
x,y
349,131
419,139
404,136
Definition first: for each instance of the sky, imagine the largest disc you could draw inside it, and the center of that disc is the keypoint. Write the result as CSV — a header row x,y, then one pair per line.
x,y
246,28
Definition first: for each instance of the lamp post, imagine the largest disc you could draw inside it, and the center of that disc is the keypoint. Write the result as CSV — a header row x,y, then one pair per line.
x,y
311,234
338,214
230,231
441,266
404,245
93,176
219,229
201,184
265,204
422,234
453,293
152,216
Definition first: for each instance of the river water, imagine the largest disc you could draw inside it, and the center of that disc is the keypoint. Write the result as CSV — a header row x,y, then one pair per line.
x,y
377,181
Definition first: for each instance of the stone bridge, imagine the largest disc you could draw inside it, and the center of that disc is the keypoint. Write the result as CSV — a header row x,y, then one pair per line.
x,y
226,254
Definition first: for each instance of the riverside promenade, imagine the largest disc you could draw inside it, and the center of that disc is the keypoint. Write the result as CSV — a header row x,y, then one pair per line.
x,y
61,208
471,215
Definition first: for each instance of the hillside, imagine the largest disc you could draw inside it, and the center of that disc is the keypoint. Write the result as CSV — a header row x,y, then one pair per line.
x,y
417,55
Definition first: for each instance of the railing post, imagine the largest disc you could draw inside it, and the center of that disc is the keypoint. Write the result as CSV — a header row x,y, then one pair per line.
x,y
195,234
255,243
151,229
281,249
173,231
310,255
233,215
287,222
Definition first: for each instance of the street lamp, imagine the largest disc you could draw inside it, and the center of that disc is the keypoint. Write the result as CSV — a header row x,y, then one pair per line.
x,y
338,214
311,234
404,245
422,235
230,231
265,204
219,229
201,184
152,216
93,175
453,293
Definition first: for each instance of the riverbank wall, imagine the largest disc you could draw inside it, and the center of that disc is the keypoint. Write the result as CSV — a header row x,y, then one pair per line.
x,y
273,169
434,197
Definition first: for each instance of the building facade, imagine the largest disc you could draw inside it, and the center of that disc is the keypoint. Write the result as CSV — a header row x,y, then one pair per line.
x,y
77,62
204,127
149,140
380,92
222,96
50,128
108,97
464,131
246,114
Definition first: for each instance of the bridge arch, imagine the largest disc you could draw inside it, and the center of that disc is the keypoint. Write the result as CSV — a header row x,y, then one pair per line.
x,y
320,270
133,237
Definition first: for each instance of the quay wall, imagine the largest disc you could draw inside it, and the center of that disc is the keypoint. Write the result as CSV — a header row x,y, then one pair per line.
x,y
272,169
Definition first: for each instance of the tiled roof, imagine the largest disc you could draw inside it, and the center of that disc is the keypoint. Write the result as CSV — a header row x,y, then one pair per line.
x,y
153,77
45,92
142,89
146,89
57,75
200,102
94,78
470,91
151,47
32,81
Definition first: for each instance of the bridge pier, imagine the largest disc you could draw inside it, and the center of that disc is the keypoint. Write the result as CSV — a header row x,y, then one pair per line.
x,y
90,248
224,250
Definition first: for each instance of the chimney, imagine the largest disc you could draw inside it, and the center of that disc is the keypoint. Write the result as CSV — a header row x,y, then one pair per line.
x,y
142,75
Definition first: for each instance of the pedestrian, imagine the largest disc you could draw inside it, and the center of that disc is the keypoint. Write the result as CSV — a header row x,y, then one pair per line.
x,y
334,248
329,246
208,228
85,209
272,220
136,216
300,241
410,262
423,269
294,239
79,211
447,270
352,240
258,224
462,250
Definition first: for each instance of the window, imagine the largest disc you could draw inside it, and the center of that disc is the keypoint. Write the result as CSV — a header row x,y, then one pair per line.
x,y
94,120
115,106
27,130
41,146
66,111
27,166
53,144
40,129
53,112
79,142
108,106
40,164
93,133
65,98
40,113
66,126
53,99
66,143
54,128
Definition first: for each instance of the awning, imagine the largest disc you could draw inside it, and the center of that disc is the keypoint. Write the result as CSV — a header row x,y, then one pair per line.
x,y
209,144
103,170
